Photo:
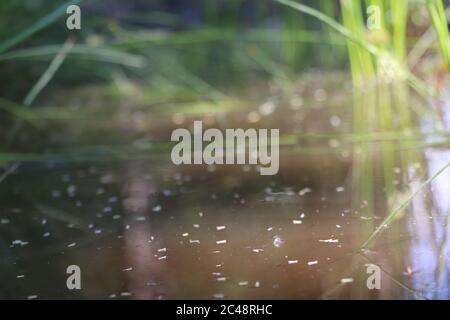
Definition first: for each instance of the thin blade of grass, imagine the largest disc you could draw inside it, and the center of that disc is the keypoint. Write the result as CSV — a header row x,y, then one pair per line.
x,y
49,73
38,26
403,205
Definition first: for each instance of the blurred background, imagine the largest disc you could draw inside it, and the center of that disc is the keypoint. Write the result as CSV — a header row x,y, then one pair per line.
x,y
85,171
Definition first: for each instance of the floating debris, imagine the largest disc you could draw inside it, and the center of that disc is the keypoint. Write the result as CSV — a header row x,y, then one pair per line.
x,y
243,283
157,208
340,189
194,241
329,241
128,269
257,250
346,280
162,250
311,263
297,221
277,241
162,258
221,228
304,191
32,297
257,284
218,296
19,242
71,245
221,279
185,234
126,294
221,241
292,261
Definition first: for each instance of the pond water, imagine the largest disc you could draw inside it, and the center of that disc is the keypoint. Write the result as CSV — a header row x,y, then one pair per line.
x,y
140,227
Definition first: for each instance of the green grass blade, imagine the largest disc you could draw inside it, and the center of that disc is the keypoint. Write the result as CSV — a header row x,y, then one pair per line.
x,y
38,26
49,73
403,205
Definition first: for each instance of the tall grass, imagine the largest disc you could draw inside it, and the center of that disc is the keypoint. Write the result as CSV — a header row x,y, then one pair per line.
x,y
437,13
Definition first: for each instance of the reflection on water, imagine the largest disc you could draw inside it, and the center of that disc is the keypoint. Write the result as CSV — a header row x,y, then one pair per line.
x,y
147,229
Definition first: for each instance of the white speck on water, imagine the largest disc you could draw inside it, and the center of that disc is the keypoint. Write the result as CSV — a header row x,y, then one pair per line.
x,y
128,269
311,263
112,296
200,214
338,226
47,234
4,221
196,225
71,190
157,208
116,216
292,261
32,297
140,218
162,250
98,231
162,258
346,280
221,228
194,241
218,296
107,209
329,241
304,191
217,274
127,227
257,250
44,221
221,241
125,294
257,284
19,242
302,215
269,228
185,234
297,221
20,276
221,279
277,241
243,283
56,194
340,189
113,199
71,245
216,251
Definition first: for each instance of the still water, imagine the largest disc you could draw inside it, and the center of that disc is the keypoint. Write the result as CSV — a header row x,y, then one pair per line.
x,y
143,228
